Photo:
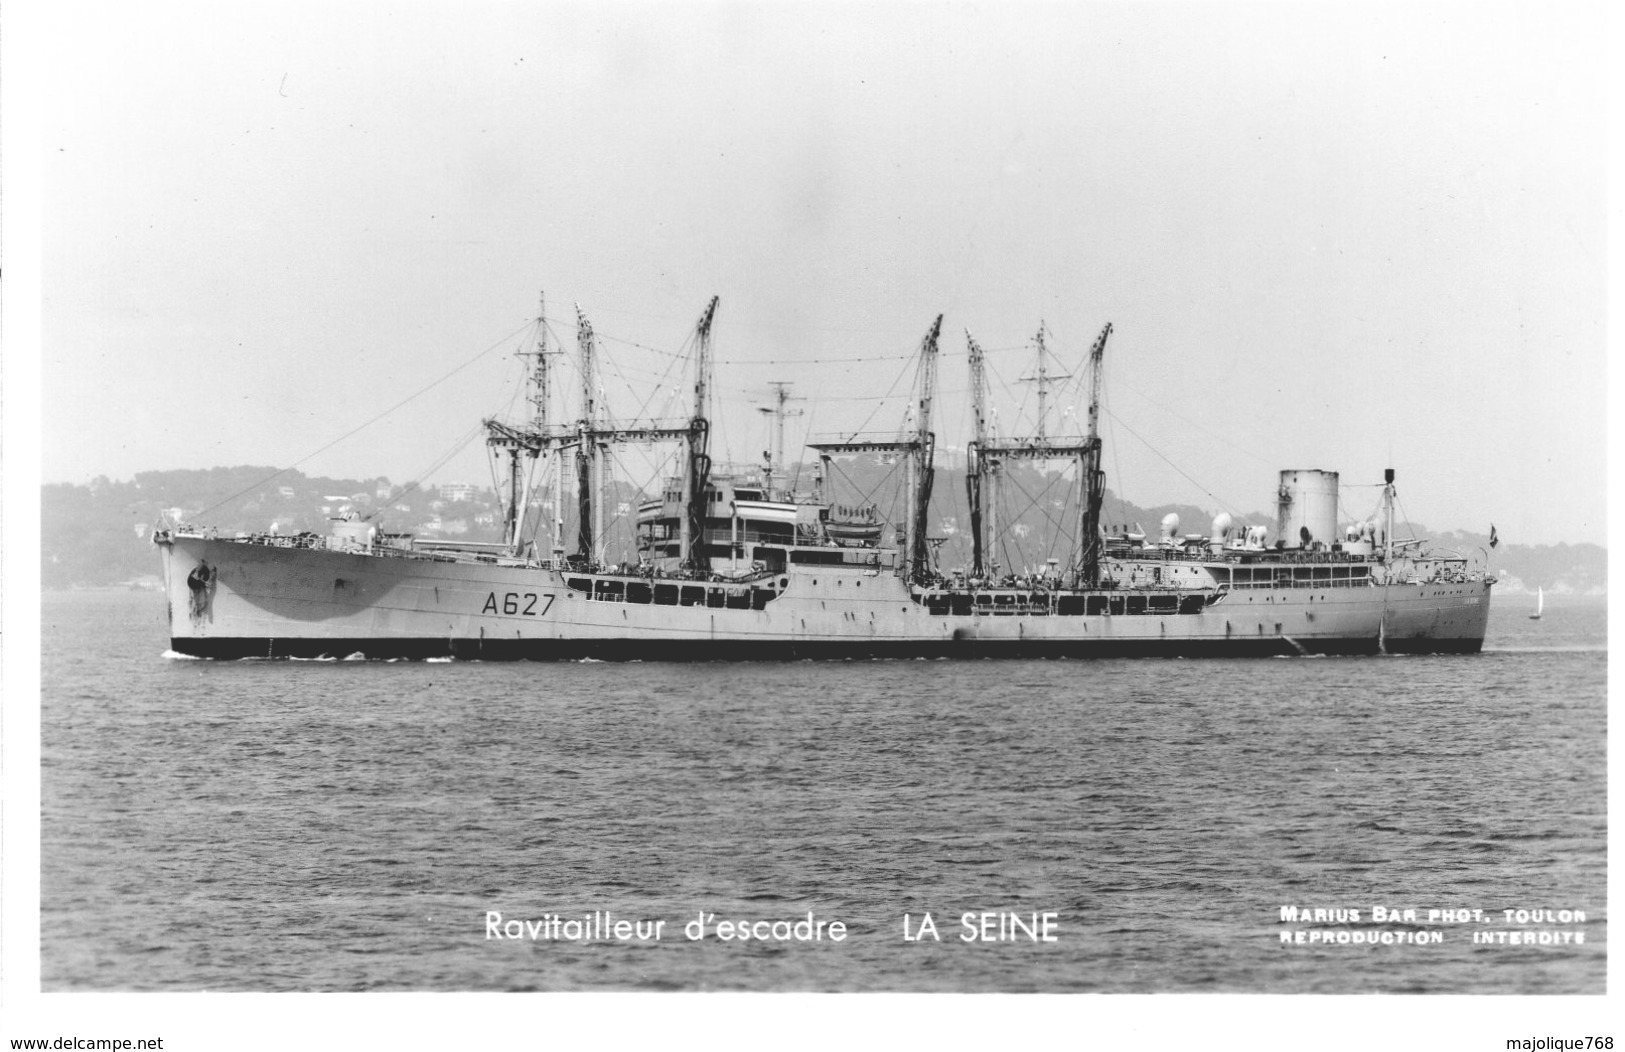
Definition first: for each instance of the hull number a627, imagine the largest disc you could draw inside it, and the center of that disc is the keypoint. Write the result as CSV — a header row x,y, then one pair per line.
x,y
517,604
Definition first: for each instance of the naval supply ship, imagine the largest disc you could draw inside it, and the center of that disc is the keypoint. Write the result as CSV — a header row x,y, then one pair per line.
x,y
742,566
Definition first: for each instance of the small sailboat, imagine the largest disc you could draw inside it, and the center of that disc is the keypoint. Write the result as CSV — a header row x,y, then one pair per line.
x,y
1540,604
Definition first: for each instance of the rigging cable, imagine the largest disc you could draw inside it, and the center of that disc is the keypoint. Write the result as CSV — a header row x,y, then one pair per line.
x,y
1033,502
882,401
1197,425
867,497
802,456
1404,517
1221,503
815,361
456,448
1117,463
362,427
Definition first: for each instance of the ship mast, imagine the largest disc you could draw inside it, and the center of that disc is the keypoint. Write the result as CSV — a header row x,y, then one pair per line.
x,y
529,439
1388,514
555,447
699,461
775,463
1094,479
541,397
587,450
518,482
917,449
593,440
539,390
1042,378
924,451
978,465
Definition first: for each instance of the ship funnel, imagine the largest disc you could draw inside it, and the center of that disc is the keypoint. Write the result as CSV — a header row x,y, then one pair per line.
x,y
1307,507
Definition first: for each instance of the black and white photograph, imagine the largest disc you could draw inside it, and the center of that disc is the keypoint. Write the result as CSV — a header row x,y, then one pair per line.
x,y
666,509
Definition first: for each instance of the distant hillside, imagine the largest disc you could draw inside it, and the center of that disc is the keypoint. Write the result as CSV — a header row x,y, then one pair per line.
x,y
100,534
1561,569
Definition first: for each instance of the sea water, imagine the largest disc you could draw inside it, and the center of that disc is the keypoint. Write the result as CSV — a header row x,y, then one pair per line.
x,y
1067,826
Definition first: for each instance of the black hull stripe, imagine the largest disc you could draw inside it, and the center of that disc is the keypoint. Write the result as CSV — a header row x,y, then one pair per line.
x,y
763,650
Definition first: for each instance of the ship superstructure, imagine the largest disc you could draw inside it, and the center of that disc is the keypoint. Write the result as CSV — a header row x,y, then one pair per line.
x,y
741,565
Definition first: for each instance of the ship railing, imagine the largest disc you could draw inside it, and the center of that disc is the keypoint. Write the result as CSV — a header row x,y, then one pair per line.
x,y
714,535
732,594
270,540
650,573
1205,554
1066,602
1323,582
1453,576
318,542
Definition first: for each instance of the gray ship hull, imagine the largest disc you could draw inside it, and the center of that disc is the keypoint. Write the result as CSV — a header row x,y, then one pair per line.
x,y
231,599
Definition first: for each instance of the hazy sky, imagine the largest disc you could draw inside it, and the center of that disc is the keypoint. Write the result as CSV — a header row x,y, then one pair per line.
x,y
1341,237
